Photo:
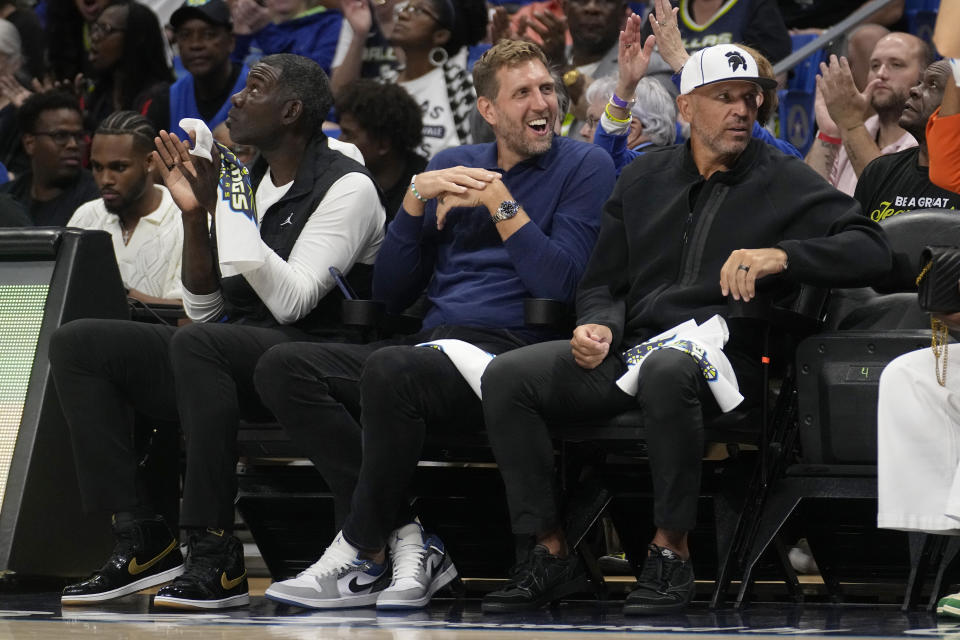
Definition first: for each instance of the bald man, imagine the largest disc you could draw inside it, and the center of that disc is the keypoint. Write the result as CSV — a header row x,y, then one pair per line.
x,y
848,139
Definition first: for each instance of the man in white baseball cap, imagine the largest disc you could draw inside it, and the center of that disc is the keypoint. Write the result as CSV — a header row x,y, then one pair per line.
x,y
720,92
669,252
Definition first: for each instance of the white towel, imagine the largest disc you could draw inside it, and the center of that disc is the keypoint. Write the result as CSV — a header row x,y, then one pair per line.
x,y
239,247
469,360
704,343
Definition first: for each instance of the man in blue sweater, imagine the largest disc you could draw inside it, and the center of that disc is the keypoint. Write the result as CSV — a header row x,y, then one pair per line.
x,y
483,228
204,36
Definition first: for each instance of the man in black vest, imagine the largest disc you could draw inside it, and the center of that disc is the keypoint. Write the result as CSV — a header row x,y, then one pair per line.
x,y
318,208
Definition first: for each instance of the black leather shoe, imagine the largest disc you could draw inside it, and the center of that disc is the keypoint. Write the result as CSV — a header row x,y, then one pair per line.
x,y
215,577
665,585
541,579
146,554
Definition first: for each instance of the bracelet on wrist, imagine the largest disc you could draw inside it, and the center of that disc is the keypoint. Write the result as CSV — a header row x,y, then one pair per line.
x,y
413,190
617,101
829,139
606,111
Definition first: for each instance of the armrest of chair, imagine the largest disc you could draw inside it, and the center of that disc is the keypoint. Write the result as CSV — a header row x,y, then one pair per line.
x,y
366,314
547,313
800,316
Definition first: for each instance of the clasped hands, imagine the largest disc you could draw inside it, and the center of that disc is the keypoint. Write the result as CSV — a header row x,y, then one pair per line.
x,y
461,187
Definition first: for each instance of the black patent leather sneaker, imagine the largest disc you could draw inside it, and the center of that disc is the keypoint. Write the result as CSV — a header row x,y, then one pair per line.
x,y
146,554
665,585
539,580
214,578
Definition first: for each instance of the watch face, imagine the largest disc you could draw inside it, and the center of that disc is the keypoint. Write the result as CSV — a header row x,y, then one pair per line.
x,y
506,210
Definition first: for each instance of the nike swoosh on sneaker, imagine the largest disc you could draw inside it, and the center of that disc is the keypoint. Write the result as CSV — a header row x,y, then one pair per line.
x,y
230,584
355,586
134,567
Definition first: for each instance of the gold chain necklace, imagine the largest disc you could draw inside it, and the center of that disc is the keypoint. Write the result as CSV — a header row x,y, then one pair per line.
x,y
939,335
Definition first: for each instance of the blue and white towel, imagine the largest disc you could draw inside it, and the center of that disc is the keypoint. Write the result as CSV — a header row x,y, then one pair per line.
x,y
704,343
239,247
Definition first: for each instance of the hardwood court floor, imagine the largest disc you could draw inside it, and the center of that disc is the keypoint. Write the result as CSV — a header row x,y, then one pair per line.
x,y
38,616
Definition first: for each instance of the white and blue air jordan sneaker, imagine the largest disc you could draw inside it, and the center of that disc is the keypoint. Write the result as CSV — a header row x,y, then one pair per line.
x,y
420,568
338,580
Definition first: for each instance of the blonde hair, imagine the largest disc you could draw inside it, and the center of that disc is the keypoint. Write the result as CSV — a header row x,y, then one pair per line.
x,y
506,53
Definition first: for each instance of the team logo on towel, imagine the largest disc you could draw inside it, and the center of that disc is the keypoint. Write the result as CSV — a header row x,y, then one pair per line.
x,y
235,186
635,355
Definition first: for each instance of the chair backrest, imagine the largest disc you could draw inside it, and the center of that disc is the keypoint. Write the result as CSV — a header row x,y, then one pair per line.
x,y
891,304
908,233
839,372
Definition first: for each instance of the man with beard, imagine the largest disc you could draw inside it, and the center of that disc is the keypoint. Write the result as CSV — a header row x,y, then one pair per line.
x,y
53,138
848,139
668,253
141,217
483,228
898,182
316,208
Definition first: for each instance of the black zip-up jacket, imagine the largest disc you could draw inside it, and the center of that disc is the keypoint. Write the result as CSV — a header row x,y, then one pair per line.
x,y
666,232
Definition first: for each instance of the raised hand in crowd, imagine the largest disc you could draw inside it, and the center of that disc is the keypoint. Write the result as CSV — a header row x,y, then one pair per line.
x,y
358,15
191,180
551,29
633,57
500,26
838,96
17,93
248,16
13,91
553,34
663,21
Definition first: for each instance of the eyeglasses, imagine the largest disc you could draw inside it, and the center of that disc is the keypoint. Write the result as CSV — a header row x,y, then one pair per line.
x,y
63,138
99,30
416,10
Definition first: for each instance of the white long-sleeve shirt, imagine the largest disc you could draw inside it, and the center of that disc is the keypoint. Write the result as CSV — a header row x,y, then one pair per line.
x,y
346,228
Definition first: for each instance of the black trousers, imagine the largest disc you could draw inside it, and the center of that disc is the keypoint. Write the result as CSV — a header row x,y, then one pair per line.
x,y
526,388
361,413
200,375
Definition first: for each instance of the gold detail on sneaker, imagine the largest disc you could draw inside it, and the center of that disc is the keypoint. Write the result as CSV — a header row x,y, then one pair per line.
x,y
136,568
230,584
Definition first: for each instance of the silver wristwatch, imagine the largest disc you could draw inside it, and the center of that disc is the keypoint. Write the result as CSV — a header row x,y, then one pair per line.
x,y
506,210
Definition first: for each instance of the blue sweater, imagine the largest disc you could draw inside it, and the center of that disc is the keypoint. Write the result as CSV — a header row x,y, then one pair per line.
x,y
616,145
475,278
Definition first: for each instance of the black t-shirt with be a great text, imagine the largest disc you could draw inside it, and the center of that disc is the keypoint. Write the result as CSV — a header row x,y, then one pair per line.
x,y
894,184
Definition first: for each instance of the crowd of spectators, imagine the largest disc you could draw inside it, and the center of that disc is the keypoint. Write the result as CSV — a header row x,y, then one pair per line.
x,y
456,157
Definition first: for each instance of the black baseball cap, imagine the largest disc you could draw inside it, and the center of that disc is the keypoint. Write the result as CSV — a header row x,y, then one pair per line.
x,y
215,12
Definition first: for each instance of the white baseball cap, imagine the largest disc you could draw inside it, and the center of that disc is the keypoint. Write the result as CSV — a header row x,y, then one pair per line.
x,y
721,63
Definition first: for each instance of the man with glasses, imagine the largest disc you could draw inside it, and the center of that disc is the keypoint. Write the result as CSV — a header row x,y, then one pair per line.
x,y
204,36
53,138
